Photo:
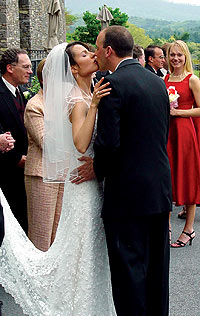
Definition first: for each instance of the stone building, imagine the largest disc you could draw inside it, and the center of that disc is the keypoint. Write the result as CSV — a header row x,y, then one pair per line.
x,y
24,23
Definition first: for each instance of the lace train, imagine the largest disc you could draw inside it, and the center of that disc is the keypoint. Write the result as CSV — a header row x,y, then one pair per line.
x,y
72,278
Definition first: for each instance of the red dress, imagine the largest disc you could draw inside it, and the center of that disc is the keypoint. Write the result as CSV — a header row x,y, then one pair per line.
x,y
183,150
196,121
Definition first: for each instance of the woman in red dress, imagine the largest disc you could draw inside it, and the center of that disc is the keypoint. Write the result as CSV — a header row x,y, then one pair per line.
x,y
182,145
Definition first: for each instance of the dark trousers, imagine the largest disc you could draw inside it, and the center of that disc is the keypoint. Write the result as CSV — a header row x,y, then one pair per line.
x,y
139,261
1,225
13,187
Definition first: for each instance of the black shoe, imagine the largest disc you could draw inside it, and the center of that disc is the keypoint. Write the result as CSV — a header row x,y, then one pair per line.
x,y
181,244
182,213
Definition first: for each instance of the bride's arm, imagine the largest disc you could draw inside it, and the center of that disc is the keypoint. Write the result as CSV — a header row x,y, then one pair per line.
x,y
83,119
83,125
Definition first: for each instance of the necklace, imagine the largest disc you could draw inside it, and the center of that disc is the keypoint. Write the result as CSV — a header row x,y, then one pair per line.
x,y
181,76
87,95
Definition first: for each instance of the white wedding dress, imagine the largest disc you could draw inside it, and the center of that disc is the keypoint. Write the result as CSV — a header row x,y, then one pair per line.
x,y
72,278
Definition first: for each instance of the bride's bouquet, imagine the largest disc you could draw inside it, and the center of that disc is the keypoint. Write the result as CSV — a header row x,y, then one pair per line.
x,y
173,97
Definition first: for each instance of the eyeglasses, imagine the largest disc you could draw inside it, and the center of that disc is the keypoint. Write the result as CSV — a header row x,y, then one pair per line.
x,y
26,67
160,57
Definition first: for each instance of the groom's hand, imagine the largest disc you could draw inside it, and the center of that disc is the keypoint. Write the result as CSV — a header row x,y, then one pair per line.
x,y
85,171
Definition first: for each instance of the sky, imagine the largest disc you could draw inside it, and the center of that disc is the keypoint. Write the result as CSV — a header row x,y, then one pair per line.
x,y
151,9
197,2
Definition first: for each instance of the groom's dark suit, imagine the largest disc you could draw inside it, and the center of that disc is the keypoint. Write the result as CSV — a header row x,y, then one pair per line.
x,y
12,176
130,154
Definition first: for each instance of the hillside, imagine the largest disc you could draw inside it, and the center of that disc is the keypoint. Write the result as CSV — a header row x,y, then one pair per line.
x,y
153,9
158,28
164,28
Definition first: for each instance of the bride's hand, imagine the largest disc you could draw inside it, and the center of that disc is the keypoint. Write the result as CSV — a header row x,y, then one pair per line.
x,y
99,92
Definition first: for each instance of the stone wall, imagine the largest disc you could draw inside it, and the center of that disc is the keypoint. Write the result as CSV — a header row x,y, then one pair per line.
x,y
39,23
9,24
13,38
24,23
3,27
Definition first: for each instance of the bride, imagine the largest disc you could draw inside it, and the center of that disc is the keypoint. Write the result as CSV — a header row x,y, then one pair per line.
x,y
72,278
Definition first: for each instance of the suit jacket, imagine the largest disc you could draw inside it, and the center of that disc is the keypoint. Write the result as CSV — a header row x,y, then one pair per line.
x,y
158,73
100,74
130,147
12,176
10,121
34,122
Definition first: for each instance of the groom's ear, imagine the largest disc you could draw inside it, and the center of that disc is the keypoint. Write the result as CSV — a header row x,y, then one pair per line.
x,y
108,51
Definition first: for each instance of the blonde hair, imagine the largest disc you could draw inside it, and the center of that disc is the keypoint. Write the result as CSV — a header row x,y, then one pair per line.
x,y
188,61
39,71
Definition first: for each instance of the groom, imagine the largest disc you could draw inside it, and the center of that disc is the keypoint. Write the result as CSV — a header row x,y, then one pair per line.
x,y
131,156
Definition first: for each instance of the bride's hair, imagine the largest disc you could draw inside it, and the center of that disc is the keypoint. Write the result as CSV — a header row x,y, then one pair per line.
x,y
69,51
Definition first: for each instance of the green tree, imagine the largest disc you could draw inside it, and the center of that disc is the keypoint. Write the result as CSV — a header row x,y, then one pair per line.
x,y
139,35
89,32
119,18
194,48
159,41
171,39
184,36
70,19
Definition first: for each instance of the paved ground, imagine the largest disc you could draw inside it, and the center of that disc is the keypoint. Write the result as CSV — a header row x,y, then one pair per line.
x,y
185,272
184,276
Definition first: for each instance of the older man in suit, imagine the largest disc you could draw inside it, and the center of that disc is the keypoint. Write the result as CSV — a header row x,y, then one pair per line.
x,y
15,67
131,156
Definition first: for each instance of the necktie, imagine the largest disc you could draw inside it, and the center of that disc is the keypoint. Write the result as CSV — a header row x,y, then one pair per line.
x,y
19,104
18,95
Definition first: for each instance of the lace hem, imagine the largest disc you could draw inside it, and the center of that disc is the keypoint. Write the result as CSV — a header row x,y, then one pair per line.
x,y
72,278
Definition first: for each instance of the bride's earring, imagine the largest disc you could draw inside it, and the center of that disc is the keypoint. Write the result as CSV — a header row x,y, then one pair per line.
x,y
77,76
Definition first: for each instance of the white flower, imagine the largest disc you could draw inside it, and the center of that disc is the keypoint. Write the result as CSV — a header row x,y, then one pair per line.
x,y
173,96
26,94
